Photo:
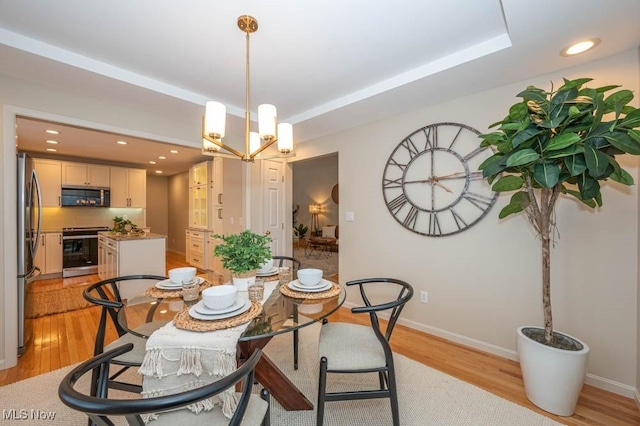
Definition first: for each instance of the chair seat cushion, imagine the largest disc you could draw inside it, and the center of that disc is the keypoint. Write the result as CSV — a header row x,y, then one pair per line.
x,y
254,415
350,347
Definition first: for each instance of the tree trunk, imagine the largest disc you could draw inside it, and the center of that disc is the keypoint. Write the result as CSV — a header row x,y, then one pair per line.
x,y
546,210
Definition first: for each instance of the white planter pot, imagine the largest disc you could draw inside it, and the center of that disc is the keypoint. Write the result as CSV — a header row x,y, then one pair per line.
x,y
553,378
242,281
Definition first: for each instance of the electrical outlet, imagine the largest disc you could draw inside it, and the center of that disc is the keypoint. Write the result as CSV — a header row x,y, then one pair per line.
x,y
424,297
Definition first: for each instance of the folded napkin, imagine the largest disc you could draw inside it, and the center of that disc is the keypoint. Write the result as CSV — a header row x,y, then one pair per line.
x,y
178,360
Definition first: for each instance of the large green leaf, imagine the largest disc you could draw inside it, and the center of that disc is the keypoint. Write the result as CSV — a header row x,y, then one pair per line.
x,y
524,156
519,201
624,142
533,93
562,141
631,120
588,186
519,112
493,165
576,164
571,150
563,95
508,183
525,135
635,135
617,100
570,84
590,202
546,174
620,175
597,162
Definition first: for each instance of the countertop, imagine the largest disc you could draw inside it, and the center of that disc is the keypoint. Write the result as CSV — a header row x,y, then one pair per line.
x,y
124,237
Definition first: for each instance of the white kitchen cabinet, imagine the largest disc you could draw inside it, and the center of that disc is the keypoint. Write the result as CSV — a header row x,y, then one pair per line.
x,y
128,187
214,262
83,174
49,255
124,255
197,254
50,177
205,199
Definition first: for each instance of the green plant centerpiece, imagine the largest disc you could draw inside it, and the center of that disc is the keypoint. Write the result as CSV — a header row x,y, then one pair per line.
x,y
559,143
243,253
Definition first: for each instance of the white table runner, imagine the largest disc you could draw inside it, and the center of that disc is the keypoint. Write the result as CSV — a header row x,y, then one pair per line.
x,y
179,360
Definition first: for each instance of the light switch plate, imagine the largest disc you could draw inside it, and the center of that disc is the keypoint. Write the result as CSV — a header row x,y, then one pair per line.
x,y
350,216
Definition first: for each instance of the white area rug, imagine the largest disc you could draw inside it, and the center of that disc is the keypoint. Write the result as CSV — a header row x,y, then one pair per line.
x,y
319,260
427,396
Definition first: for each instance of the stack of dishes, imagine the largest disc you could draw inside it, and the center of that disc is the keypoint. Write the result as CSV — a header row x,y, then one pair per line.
x,y
170,285
310,280
219,302
267,272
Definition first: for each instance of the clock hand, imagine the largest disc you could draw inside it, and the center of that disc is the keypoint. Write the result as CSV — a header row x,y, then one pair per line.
x,y
459,175
442,186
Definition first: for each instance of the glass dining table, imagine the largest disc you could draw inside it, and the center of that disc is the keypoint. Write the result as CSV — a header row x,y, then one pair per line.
x,y
280,314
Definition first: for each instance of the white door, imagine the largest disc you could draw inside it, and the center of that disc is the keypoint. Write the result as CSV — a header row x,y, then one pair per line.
x,y
273,204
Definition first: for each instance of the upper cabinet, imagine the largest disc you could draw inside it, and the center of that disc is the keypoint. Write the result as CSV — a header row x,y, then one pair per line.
x,y
205,195
50,179
128,187
81,174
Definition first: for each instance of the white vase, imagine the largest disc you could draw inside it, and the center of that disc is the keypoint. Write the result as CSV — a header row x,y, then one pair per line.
x,y
241,280
553,378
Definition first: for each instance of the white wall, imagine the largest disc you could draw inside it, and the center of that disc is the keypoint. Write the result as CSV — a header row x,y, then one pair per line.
x,y
485,282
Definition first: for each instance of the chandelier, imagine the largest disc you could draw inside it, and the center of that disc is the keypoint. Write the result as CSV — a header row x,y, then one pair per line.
x,y
269,131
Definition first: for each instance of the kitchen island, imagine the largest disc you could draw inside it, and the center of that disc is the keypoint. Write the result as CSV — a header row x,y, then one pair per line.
x,y
131,254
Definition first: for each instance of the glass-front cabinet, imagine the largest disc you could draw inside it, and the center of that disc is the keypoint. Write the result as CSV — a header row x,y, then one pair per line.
x,y
198,207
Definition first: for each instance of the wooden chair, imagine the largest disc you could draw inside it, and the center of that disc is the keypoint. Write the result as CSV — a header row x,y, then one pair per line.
x,y
353,348
251,409
295,265
107,295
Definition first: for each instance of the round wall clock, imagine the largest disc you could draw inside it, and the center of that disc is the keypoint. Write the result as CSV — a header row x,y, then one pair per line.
x,y
431,183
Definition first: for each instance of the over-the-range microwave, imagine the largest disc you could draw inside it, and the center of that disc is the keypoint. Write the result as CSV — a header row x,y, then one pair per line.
x,y
85,197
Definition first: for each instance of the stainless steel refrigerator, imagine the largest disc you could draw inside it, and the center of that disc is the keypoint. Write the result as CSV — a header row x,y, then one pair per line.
x,y
29,227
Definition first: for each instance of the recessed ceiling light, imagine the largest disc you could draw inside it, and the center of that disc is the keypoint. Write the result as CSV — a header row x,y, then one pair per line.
x,y
580,47
121,142
159,172
152,162
52,150
162,157
52,132
52,142
174,151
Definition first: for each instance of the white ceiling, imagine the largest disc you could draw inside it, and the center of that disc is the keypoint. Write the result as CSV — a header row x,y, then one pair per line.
x,y
327,65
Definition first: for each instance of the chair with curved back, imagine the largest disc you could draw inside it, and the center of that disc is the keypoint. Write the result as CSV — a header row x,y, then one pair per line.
x,y
368,350
250,410
107,295
295,265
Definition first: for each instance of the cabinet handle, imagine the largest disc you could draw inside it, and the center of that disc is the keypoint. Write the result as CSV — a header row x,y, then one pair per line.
x,y
196,259
196,245
43,240
60,239
220,198
59,201
219,213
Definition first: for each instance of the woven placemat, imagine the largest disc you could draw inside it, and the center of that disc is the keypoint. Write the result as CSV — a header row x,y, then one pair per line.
x,y
333,291
274,277
185,321
159,293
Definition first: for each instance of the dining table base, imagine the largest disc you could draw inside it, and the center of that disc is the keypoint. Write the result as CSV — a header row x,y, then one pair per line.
x,y
273,379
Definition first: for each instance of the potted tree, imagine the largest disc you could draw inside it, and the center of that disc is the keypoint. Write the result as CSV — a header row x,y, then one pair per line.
x,y
552,144
300,231
242,254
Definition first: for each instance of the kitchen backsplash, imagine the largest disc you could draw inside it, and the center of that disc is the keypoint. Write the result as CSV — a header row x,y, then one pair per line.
x,y
56,218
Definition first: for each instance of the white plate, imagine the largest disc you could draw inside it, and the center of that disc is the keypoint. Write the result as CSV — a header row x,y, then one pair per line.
x,y
324,285
272,271
201,308
168,285
197,315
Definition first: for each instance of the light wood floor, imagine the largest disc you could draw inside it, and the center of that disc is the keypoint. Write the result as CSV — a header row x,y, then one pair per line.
x,y
64,339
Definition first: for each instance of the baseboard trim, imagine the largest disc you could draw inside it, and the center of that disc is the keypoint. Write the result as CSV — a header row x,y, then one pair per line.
x,y
591,379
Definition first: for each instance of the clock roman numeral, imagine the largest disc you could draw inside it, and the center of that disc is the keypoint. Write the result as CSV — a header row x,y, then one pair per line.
x,y
410,146
411,218
397,203
434,224
480,201
455,138
392,183
431,133
403,167
473,153
460,223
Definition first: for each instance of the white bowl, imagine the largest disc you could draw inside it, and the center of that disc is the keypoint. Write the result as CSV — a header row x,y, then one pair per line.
x,y
309,276
219,296
177,275
266,266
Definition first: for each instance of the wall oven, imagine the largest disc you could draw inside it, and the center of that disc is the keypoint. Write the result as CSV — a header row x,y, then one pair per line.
x,y
80,251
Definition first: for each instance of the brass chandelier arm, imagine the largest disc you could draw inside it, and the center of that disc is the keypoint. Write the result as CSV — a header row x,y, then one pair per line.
x,y
219,143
